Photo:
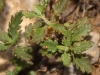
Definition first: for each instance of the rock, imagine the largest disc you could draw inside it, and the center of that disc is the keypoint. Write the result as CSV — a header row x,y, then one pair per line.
x,y
71,70
93,52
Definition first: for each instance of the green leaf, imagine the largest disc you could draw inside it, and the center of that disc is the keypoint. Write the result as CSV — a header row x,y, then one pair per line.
x,y
38,34
8,73
5,38
21,52
21,64
38,10
3,47
62,48
66,59
79,47
67,38
58,27
45,53
59,6
14,72
80,32
14,26
30,28
51,45
82,21
43,4
83,64
66,42
29,14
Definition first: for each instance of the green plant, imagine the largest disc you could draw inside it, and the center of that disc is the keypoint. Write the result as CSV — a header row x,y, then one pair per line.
x,y
65,42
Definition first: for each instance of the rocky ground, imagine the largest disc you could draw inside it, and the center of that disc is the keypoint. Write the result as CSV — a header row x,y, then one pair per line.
x,y
74,10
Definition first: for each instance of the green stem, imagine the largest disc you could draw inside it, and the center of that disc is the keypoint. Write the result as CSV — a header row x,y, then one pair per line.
x,y
46,21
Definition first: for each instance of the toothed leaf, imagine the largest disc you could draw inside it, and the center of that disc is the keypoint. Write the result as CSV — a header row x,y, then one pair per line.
x,y
5,38
67,39
14,72
45,53
83,64
66,59
21,53
38,34
29,14
79,47
58,27
3,47
30,28
62,48
82,30
14,26
51,45
59,6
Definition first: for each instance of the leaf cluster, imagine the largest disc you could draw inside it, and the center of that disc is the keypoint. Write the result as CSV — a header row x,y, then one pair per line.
x,y
62,41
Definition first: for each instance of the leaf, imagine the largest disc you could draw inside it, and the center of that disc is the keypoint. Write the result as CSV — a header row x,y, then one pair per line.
x,y
38,10
51,45
5,38
67,38
38,34
29,14
83,64
81,31
66,42
20,52
8,73
62,48
28,30
14,72
82,21
14,26
66,59
43,4
3,47
79,47
58,27
59,6
21,64
45,53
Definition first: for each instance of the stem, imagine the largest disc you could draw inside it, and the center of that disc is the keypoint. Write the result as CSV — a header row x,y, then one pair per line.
x,y
46,21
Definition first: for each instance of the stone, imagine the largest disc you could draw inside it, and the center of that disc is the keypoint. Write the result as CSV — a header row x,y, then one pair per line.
x,y
93,52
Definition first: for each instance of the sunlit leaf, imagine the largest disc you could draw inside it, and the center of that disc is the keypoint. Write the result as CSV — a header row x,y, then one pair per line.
x,y
79,47
21,53
83,64
66,59
59,6
14,26
51,45
38,34
5,38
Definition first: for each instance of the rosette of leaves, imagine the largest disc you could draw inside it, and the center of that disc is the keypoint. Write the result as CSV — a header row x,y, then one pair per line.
x,y
69,46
